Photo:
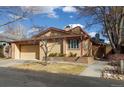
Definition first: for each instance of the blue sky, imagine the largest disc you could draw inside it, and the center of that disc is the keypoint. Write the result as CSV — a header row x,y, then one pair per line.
x,y
58,17
60,20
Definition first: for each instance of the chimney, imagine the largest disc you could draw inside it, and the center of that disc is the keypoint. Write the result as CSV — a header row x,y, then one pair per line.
x,y
67,28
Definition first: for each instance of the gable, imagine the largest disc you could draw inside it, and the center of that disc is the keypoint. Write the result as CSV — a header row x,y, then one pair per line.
x,y
76,30
54,32
79,31
50,33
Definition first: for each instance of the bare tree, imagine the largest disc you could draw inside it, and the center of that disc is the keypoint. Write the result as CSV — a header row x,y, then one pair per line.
x,y
36,29
111,18
16,13
17,31
12,14
44,42
47,48
44,46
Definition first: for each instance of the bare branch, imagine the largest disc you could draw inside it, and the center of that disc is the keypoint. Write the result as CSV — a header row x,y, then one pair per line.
x,y
110,18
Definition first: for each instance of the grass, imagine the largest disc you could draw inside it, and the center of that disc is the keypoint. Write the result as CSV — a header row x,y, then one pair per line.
x,y
53,68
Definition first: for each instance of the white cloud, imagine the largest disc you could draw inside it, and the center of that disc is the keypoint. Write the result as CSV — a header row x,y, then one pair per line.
x,y
92,34
52,15
14,16
48,10
107,41
75,25
1,31
69,9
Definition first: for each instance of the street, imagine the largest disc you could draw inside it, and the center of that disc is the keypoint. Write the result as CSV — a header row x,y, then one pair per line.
x,y
22,78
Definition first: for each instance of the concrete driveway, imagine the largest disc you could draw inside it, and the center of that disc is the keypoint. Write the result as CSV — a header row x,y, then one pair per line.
x,y
21,78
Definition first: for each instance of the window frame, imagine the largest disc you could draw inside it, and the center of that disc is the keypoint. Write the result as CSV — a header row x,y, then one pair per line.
x,y
73,43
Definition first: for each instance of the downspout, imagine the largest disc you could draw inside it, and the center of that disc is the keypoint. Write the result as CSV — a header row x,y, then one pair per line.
x,y
19,51
64,45
81,46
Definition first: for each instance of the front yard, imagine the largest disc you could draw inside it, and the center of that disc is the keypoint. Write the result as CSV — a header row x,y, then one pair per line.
x,y
52,68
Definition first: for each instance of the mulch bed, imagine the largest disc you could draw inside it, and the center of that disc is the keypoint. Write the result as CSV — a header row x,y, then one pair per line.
x,y
116,57
113,71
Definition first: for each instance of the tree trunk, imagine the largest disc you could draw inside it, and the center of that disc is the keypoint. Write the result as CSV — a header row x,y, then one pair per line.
x,y
122,66
45,58
108,31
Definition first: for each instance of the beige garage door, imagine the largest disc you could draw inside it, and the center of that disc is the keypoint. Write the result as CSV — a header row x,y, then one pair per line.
x,y
29,52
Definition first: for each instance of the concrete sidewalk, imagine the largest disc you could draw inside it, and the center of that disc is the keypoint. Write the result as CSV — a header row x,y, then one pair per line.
x,y
10,62
94,70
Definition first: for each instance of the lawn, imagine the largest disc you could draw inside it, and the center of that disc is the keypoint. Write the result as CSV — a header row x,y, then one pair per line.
x,y
53,68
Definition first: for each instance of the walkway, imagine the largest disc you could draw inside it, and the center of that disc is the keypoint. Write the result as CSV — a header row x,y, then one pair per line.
x,y
94,70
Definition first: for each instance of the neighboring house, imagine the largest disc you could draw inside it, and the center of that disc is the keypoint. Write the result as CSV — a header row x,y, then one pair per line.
x,y
3,44
74,40
5,49
98,39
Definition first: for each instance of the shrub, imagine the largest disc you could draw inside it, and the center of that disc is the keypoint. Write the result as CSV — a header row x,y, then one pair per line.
x,y
52,54
72,54
61,55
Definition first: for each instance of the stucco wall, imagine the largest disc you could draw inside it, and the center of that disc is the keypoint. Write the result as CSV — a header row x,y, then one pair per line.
x,y
15,51
99,51
77,51
87,47
108,49
53,47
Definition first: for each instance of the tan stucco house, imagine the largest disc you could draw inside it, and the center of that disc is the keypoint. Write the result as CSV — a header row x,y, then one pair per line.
x,y
74,40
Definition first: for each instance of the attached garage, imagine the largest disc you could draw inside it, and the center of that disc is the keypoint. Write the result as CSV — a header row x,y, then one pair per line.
x,y
29,52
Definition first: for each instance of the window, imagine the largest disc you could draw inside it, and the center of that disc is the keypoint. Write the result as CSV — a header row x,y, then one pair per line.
x,y
73,43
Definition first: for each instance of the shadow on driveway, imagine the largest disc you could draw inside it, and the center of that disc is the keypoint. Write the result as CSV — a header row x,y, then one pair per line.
x,y
21,78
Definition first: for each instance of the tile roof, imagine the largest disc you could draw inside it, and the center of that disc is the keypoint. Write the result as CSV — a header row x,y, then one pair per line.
x,y
67,34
